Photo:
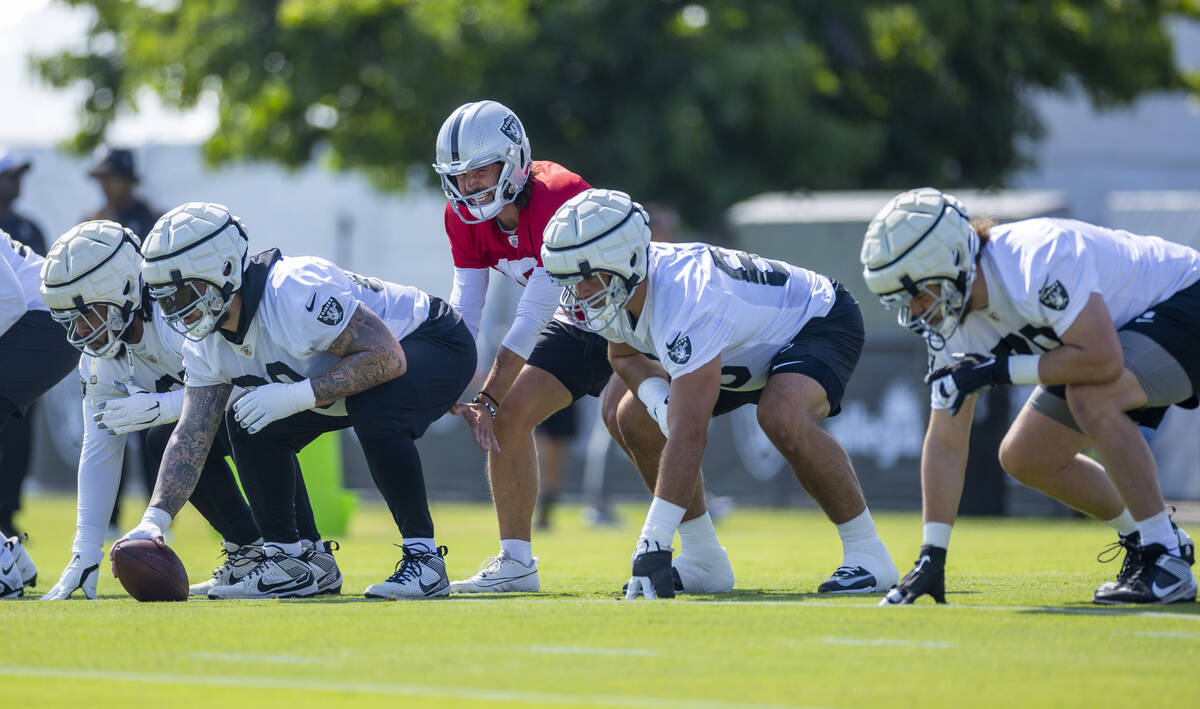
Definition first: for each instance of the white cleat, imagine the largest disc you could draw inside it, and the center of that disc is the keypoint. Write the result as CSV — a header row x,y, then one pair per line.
x,y
10,578
324,566
239,561
25,566
278,576
421,573
703,570
501,574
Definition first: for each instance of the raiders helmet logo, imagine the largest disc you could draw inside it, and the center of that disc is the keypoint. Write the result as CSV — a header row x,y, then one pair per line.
x,y
1054,296
511,128
331,312
679,349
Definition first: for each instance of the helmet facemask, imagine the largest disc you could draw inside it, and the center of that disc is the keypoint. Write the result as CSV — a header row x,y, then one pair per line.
x,y
467,206
941,318
182,301
598,310
104,323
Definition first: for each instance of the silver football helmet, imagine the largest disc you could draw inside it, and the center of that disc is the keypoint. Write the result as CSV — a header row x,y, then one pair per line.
x,y
194,259
920,239
597,233
478,134
91,281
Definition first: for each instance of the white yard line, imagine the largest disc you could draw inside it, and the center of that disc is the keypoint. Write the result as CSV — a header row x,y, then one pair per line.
x,y
244,657
578,650
411,690
889,642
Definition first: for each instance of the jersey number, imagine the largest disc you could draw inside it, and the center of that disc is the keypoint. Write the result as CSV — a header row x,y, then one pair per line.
x,y
277,371
1042,337
749,267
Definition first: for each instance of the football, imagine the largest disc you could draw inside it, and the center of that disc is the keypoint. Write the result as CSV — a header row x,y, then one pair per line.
x,y
149,572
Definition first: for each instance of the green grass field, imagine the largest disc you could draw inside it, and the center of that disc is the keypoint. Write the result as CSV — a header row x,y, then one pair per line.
x,y
1019,630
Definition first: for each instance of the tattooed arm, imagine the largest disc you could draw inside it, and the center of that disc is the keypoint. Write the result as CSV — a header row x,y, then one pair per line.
x,y
370,356
203,409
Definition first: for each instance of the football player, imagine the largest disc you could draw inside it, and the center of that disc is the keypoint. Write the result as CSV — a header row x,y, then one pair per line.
x,y
132,376
33,358
1103,321
321,349
710,330
500,201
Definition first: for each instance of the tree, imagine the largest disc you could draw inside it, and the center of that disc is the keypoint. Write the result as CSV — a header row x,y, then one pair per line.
x,y
694,104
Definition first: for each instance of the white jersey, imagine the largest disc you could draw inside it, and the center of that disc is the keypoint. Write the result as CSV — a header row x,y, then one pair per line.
x,y
155,364
20,281
292,311
1041,272
703,301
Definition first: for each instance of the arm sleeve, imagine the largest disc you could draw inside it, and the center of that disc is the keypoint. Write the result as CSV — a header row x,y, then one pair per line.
x,y
468,294
12,297
534,311
99,476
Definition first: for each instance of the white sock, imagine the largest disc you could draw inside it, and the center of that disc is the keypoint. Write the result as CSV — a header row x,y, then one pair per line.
x,y
698,532
1123,523
661,521
428,543
292,550
858,533
1157,529
937,534
518,550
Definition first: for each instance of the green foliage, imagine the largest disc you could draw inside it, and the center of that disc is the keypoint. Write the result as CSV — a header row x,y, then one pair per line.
x,y
693,104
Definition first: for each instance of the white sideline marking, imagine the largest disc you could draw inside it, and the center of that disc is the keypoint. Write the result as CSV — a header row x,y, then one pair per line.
x,y
413,690
576,650
239,657
1165,634
894,642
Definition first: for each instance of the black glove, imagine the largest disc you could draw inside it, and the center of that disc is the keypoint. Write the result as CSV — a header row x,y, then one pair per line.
x,y
928,576
971,374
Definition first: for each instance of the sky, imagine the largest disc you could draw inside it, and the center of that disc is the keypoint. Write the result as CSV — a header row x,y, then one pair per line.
x,y
34,114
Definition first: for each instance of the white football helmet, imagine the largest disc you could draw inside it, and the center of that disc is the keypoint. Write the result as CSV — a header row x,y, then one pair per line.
x,y
92,283
194,259
597,233
922,238
475,135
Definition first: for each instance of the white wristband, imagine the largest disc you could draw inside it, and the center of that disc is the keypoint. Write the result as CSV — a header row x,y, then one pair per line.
x,y
653,391
1023,369
158,517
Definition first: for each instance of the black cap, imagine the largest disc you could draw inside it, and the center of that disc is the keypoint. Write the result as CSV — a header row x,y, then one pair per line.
x,y
114,161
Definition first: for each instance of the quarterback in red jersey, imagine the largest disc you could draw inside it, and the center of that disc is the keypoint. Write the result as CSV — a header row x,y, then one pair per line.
x,y
500,201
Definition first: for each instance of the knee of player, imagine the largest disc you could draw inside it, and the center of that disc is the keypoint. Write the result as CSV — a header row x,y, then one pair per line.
x,y
787,427
1015,459
1092,404
516,420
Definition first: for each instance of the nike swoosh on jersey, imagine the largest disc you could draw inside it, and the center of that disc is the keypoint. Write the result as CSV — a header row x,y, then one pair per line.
x,y
312,302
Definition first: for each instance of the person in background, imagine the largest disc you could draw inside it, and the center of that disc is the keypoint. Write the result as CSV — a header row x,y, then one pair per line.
x,y
16,442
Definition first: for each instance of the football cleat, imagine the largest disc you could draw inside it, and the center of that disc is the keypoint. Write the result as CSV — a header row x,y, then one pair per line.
x,y
1131,565
324,566
871,572
420,573
652,577
1161,578
11,585
704,571
239,561
501,574
25,566
927,577
277,576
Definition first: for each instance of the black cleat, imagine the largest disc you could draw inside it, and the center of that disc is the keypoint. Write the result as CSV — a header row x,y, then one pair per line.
x,y
927,577
1161,578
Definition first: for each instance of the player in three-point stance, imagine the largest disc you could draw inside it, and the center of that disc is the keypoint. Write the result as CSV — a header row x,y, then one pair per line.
x,y
726,329
320,349
500,201
132,376
33,357
1104,321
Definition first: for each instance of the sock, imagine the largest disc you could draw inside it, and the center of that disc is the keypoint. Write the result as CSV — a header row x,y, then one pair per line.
x,y
1123,523
661,522
1156,529
937,534
417,542
292,550
518,550
698,532
858,533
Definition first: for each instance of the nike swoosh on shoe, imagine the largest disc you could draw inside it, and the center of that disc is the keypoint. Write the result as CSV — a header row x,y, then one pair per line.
x,y
504,580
